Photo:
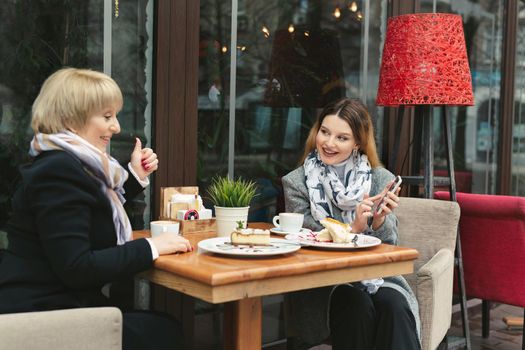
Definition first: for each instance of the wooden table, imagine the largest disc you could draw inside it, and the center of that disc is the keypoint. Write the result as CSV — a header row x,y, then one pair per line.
x,y
241,282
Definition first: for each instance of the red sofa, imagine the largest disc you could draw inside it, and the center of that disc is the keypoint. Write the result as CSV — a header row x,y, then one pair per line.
x,y
492,231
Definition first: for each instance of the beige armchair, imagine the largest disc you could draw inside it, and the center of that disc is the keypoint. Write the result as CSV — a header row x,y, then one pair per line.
x,y
430,226
82,329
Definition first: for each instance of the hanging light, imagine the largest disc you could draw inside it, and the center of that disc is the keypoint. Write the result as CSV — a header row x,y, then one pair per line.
x,y
306,33
359,15
224,49
291,28
353,6
265,31
337,12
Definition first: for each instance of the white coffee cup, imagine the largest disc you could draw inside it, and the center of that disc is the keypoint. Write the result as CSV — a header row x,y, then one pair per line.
x,y
163,226
289,222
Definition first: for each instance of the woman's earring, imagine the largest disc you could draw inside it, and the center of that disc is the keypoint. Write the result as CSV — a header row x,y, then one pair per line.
x,y
355,155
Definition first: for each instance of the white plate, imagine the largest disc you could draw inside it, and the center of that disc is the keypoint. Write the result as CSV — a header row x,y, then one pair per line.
x,y
222,245
363,241
279,231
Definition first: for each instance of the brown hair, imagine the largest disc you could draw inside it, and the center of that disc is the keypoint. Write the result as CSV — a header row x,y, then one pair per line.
x,y
354,112
69,96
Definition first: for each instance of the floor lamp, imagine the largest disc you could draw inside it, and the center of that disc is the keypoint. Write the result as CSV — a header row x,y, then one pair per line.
x,y
425,65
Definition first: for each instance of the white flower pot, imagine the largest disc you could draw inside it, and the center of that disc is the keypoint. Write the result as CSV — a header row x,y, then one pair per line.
x,y
227,219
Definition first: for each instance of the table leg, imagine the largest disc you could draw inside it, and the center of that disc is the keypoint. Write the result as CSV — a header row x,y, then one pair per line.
x,y
243,324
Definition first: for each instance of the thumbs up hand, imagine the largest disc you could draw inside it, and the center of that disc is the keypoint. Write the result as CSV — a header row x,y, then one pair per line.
x,y
143,160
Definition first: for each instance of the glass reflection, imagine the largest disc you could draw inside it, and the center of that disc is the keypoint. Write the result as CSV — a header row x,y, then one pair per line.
x,y
292,58
518,137
475,129
39,37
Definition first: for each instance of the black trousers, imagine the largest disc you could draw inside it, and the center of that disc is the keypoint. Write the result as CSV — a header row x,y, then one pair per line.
x,y
145,330
361,321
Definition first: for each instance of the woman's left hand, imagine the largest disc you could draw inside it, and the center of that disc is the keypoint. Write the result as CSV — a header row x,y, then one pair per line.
x,y
143,160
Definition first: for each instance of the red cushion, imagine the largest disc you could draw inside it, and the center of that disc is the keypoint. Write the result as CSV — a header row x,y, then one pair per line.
x,y
492,231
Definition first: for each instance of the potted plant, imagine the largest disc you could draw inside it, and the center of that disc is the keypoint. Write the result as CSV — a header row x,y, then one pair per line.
x,y
231,199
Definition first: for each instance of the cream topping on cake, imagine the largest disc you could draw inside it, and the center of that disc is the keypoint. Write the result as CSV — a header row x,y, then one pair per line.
x,y
252,231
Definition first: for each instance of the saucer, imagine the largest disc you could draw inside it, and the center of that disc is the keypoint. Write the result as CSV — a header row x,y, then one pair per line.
x,y
279,231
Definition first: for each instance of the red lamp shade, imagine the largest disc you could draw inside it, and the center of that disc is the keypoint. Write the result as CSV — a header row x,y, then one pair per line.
x,y
425,62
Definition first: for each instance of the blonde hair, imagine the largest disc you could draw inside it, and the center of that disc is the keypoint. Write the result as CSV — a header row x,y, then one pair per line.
x,y
70,96
356,115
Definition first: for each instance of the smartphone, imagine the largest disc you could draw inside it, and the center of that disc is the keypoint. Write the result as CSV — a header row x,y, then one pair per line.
x,y
393,187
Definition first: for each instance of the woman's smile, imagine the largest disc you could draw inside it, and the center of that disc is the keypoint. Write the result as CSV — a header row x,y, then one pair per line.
x,y
100,127
335,140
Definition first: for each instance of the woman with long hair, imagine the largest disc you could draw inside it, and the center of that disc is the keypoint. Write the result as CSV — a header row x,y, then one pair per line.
x,y
341,177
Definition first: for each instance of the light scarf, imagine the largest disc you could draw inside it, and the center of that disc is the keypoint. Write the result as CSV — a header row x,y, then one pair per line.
x,y
326,189
105,169
323,182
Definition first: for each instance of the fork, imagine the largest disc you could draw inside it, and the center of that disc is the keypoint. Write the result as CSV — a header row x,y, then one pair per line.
x,y
354,240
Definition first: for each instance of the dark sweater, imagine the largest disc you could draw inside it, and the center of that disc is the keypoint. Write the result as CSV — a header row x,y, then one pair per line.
x,y
62,240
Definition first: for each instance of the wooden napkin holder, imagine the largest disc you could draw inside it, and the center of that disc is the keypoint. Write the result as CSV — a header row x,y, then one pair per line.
x,y
203,227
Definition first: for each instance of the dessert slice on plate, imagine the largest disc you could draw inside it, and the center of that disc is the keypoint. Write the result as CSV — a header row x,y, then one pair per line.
x,y
250,236
335,231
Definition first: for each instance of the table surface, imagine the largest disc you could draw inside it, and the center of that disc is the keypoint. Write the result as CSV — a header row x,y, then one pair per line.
x,y
220,278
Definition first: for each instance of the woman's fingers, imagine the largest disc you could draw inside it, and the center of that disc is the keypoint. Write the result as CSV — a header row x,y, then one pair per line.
x,y
389,203
168,243
149,160
366,206
183,244
150,166
148,155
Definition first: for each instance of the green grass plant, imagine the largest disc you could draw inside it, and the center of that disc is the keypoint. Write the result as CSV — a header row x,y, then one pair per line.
x,y
226,192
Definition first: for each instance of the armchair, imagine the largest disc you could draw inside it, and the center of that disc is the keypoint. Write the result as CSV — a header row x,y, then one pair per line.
x,y
430,226
493,243
83,329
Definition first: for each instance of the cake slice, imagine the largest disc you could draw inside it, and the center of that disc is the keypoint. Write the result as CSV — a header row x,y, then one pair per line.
x,y
323,236
340,232
250,236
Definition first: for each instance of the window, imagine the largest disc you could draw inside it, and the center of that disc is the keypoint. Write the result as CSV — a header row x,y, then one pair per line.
x,y
39,37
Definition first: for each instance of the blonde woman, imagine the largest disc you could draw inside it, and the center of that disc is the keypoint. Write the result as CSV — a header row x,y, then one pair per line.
x,y
341,177
69,235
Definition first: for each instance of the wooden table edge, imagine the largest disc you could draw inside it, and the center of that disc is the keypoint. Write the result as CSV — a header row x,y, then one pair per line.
x,y
275,285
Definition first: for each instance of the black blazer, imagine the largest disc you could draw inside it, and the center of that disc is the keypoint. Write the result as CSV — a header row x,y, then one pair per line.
x,y
62,241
